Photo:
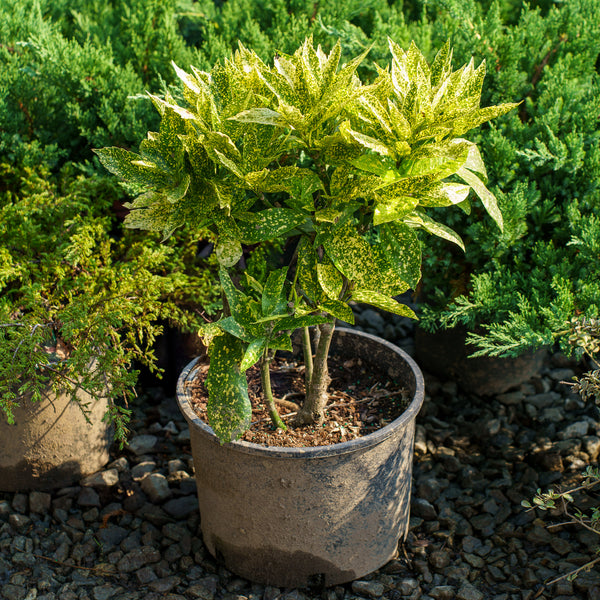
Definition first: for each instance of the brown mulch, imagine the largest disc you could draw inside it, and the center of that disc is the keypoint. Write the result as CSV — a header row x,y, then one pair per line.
x,y
361,401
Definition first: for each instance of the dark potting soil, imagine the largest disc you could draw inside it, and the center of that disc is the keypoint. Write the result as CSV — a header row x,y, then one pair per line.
x,y
361,401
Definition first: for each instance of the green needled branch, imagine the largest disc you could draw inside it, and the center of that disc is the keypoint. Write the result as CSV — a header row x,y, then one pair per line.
x,y
265,378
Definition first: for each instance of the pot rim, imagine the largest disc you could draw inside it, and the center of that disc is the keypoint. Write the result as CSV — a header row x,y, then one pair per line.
x,y
362,443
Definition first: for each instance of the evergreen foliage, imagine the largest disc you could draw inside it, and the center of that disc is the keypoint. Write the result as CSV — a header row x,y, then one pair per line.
x,y
77,306
524,284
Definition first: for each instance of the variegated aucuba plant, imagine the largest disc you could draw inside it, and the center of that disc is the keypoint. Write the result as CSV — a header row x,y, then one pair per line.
x,y
304,151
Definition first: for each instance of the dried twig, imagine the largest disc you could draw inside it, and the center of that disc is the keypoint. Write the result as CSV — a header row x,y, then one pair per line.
x,y
64,564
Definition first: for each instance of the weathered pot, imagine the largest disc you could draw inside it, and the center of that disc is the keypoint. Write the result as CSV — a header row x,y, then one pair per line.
x,y
296,517
445,353
51,444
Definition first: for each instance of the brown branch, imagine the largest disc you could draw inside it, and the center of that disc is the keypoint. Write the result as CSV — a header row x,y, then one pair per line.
x,y
63,564
588,565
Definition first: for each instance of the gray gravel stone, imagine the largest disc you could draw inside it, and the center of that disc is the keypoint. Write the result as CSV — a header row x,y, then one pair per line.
x,y
468,592
142,444
181,508
112,535
575,430
88,497
40,502
205,589
19,522
164,585
13,592
101,480
439,559
423,508
19,503
136,559
105,592
139,471
145,575
442,592
372,589
407,586
157,487
121,464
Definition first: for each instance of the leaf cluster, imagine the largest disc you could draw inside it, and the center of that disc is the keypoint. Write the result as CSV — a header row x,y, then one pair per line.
x,y
303,151
80,308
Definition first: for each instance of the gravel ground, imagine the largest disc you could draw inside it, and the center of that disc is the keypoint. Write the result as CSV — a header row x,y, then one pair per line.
x,y
131,531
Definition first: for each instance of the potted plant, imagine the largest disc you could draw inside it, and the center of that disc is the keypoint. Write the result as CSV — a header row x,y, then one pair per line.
x,y
511,293
77,308
341,174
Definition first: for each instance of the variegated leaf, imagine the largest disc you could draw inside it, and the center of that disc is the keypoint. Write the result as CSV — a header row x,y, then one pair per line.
x,y
307,272
400,244
330,280
352,255
267,224
435,228
229,409
273,300
253,353
262,116
487,198
393,209
228,251
383,302
339,310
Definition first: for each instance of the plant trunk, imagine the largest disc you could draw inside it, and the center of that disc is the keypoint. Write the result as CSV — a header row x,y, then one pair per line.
x,y
265,377
313,409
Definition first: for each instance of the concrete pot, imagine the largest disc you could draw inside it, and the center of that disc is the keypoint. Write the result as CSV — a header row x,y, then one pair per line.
x,y
320,516
445,353
51,444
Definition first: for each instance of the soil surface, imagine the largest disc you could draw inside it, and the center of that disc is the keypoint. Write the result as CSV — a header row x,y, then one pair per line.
x,y
361,400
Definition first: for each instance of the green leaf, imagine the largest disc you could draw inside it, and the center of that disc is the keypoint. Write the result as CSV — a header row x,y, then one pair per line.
x,y
262,116
383,302
435,228
231,326
229,409
487,198
393,209
307,271
401,246
232,294
228,251
338,309
297,322
268,224
131,168
281,342
330,279
273,300
352,255
441,66
228,163
364,140
444,194
254,351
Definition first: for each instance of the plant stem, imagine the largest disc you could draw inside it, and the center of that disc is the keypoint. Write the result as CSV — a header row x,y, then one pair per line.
x,y
308,358
265,377
313,409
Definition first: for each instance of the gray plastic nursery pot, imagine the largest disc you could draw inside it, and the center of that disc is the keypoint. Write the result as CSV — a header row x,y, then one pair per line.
x,y
51,444
318,516
445,353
